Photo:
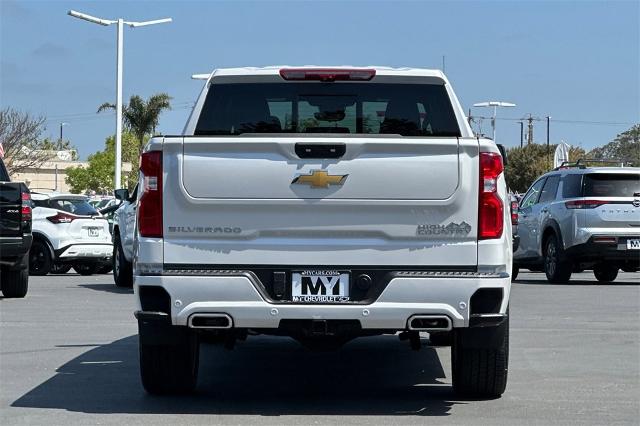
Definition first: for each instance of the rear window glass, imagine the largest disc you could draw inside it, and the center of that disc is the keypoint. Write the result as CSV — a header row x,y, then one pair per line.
x,y
613,185
346,108
72,205
571,186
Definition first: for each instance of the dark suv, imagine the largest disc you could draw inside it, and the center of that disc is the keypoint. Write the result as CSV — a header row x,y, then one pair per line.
x,y
576,218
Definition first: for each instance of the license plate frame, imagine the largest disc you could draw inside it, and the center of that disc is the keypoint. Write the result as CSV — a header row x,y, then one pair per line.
x,y
320,286
633,244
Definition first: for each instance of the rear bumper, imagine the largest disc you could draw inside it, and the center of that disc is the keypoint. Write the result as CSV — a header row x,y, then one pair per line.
x,y
85,252
604,252
13,251
238,297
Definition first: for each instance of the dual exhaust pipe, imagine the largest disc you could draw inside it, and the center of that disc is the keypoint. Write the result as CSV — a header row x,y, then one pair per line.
x,y
416,322
429,323
210,321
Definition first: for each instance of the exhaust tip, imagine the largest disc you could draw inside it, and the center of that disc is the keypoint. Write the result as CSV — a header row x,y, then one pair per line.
x,y
210,321
429,323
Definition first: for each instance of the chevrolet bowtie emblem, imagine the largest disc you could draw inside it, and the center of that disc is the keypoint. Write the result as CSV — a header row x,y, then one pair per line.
x,y
319,179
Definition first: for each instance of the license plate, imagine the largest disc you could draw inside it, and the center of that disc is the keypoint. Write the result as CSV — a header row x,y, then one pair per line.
x,y
320,286
94,232
633,244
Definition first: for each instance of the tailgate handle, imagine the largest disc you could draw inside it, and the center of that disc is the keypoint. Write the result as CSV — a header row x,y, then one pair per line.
x,y
320,150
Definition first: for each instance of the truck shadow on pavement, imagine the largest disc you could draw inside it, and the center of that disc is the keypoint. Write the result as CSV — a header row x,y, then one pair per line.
x,y
262,376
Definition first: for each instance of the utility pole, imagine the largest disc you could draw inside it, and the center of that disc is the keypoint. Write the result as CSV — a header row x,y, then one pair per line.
x,y
521,133
530,130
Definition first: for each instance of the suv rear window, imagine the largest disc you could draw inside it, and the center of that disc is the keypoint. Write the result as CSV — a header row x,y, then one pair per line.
x,y
611,185
354,108
73,205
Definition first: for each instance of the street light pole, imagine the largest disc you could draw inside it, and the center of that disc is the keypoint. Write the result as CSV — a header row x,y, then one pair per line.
x,y
119,50
119,41
62,124
495,105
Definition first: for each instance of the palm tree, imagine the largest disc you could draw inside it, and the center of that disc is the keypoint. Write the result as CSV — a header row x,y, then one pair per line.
x,y
140,117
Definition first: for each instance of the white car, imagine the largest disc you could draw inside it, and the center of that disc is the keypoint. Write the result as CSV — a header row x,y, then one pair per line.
x,y
68,232
124,224
323,204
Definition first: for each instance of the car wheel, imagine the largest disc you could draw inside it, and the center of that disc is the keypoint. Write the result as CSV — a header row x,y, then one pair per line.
x,y
85,268
480,371
15,283
605,273
514,272
122,270
60,268
170,368
557,269
40,262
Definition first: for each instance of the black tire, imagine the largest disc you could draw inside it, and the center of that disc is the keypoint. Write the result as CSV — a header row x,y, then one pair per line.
x,y
60,268
85,268
605,273
514,272
480,371
171,368
122,269
40,261
15,283
556,268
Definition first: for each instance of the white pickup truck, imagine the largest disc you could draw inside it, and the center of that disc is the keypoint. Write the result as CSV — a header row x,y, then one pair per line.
x,y
323,204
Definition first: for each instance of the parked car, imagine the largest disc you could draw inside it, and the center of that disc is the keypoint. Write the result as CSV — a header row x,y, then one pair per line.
x,y
15,235
577,218
68,232
323,204
124,224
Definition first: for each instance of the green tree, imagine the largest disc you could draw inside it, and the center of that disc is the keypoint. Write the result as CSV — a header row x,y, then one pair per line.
x,y
526,164
98,175
141,117
625,146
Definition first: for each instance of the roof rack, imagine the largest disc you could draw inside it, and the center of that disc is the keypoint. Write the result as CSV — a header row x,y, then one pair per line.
x,y
580,163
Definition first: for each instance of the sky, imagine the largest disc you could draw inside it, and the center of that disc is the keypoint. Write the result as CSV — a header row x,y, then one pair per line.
x,y
578,62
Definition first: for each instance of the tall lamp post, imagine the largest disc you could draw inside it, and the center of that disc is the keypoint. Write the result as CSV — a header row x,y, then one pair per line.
x,y
62,124
120,24
495,105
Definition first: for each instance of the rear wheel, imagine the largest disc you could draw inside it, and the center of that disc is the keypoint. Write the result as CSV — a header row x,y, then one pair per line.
x,y
605,273
170,368
85,268
40,262
514,272
480,370
557,269
15,283
122,270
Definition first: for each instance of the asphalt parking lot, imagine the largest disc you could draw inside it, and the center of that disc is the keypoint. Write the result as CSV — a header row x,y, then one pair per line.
x,y
69,356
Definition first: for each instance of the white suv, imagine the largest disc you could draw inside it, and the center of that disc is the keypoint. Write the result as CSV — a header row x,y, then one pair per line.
x,y
68,232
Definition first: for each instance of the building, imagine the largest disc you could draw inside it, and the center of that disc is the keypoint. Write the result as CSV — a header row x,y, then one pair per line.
x,y
51,175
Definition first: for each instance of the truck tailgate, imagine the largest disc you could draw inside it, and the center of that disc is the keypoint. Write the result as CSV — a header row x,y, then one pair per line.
x,y
386,201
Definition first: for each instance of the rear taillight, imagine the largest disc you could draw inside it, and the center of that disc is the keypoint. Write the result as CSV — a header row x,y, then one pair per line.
x,y
490,209
514,212
150,207
26,206
61,217
584,204
328,74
